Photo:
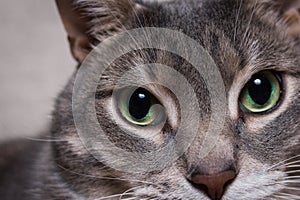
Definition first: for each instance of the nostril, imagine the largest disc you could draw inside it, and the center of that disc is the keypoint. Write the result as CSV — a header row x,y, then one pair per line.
x,y
213,185
201,187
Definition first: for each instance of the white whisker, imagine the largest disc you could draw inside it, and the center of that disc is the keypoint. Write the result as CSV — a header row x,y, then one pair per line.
x,y
236,21
131,198
124,193
111,196
283,162
250,21
281,197
290,181
293,171
292,188
119,22
105,178
292,177
293,166
139,21
290,163
45,140
288,195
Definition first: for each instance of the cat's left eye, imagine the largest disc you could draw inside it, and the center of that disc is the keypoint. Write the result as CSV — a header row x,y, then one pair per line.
x,y
140,107
262,93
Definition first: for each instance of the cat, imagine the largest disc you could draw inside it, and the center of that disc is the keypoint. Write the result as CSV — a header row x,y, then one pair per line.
x,y
255,47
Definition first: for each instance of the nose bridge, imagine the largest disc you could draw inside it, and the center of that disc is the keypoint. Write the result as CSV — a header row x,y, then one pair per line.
x,y
220,157
213,173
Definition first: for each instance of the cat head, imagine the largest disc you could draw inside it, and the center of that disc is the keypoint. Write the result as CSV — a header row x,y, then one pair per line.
x,y
254,46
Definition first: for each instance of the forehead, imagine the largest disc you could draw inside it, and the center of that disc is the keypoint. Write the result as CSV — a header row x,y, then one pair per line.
x,y
231,32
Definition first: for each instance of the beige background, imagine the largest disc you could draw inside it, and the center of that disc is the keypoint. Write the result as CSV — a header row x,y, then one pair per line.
x,y
35,65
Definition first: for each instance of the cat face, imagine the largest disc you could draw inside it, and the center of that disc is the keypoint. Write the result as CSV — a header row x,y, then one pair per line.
x,y
255,155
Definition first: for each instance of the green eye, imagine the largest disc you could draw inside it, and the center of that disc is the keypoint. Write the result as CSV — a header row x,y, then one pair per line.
x,y
140,107
261,93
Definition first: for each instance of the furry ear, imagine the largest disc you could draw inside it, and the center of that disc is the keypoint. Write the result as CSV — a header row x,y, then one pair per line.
x,y
88,22
291,15
284,13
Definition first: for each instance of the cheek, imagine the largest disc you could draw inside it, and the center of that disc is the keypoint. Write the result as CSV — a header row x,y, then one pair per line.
x,y
169,184
255,180
76,146
248,164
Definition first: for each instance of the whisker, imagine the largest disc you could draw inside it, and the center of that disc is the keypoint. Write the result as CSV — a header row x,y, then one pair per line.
x,y
111,196
292,177
292,166
290,163
44,140
126,30
104,178
283,161
122,25
293,188
236,22
140,23
288,195
153,198
293,171
148,198
113,15
290,181
249,23
129,191
131,198
281,197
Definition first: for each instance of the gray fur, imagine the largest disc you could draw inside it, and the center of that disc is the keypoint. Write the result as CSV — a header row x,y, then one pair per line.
x,y
239,35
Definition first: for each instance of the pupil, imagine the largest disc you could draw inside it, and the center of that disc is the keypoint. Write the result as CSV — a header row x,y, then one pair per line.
x,y
260,89
139,103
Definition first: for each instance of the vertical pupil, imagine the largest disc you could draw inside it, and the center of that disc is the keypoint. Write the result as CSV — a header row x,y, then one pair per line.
x,y
139,103
260,89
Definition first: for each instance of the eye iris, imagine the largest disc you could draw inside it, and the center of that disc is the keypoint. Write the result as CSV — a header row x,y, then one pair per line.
x,y
138,106
261,93
260,89
139,103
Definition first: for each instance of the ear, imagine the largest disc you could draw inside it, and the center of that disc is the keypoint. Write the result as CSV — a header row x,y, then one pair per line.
x,y
284,13
89,22
291,16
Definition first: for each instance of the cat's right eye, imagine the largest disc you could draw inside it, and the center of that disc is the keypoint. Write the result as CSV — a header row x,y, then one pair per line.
x,y
140,107
262,92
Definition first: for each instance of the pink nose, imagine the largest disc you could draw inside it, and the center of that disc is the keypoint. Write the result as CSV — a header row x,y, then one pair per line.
x,y
214,184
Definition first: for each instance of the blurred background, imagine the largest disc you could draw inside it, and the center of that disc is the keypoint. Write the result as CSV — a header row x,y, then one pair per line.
x,y
35,65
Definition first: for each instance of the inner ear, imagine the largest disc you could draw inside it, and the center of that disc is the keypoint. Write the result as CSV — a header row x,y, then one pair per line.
x,y
89,22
